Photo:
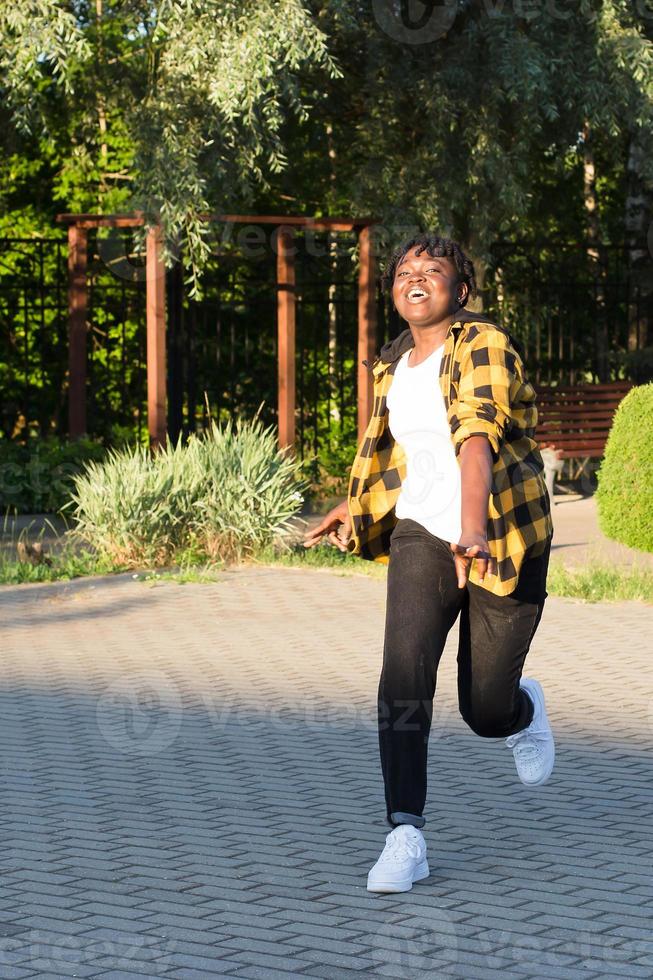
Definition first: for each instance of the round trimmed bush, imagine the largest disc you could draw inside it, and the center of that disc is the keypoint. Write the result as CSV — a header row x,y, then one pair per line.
x,y
625,478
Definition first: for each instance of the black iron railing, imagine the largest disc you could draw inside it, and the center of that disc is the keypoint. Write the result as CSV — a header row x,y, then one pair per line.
x,y
577,316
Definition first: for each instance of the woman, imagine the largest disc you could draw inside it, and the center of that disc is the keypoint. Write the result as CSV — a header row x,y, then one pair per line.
x,y
448,487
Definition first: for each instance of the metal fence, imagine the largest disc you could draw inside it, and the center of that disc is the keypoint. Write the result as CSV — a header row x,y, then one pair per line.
x,y
116,361
34,338
33,326
575,308
576,324
223,348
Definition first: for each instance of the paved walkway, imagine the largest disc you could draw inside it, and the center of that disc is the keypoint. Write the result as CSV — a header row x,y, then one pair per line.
x,y
191,788
578,539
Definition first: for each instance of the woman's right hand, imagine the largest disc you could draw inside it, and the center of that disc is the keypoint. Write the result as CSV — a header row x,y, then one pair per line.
x,y
336,526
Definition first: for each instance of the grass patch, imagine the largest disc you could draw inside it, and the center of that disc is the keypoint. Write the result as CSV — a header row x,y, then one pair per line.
x,y
25,557
72,558
203,573
69,563
601,583
321,556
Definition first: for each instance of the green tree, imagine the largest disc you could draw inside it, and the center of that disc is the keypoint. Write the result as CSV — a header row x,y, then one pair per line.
x,y
188,106
174,107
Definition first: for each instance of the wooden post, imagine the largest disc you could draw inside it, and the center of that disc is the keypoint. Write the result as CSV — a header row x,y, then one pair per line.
x,y
156,339
366,329
286,336
77,308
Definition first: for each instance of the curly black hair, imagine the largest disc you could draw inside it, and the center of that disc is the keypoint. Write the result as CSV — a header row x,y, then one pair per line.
x,y
435,246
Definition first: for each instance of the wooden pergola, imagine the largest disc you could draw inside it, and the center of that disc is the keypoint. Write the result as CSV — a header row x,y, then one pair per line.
x,y
286,228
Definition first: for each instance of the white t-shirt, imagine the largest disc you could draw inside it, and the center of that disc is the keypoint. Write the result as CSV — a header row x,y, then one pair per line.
x,y
430,493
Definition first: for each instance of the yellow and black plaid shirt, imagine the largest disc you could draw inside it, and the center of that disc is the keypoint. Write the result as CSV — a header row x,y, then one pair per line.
x,y
485,393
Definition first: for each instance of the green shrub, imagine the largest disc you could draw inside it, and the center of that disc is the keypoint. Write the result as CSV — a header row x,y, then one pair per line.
x,y
36,477
625,488
224,495
639,365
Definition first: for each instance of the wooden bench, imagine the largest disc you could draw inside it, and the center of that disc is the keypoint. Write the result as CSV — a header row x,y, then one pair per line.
x,y
574,422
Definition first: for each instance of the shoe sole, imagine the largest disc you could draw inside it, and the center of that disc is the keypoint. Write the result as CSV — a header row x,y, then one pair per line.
x,y
421,872
539,693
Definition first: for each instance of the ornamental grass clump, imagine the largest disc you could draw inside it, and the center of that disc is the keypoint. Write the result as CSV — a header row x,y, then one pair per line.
x,y
625,479
225,495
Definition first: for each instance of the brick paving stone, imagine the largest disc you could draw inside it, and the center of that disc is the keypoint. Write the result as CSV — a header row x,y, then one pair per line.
x,y
40,924
286,904
116,975
323,931
263,946
328,972
196,962
346,960
49,913
547,971
510,905
262,973
172,933
399,970
16,973
325,918
628,970
198,766
273,934
269,921
43,968
186,973
131,974
290,962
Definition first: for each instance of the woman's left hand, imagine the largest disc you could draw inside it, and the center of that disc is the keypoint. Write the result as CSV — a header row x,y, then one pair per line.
x,y
472,547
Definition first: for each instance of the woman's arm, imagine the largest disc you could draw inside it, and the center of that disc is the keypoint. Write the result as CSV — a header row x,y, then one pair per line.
x,y
476,479
479,418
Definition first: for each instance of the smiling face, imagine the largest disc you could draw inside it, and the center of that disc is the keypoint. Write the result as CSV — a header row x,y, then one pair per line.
x,y
426,290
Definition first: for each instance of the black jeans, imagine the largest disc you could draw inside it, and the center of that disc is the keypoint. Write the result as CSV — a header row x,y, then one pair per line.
x,y
423,603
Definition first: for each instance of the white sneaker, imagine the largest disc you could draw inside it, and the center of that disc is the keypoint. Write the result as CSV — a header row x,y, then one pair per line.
x,y
533,747
402,861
